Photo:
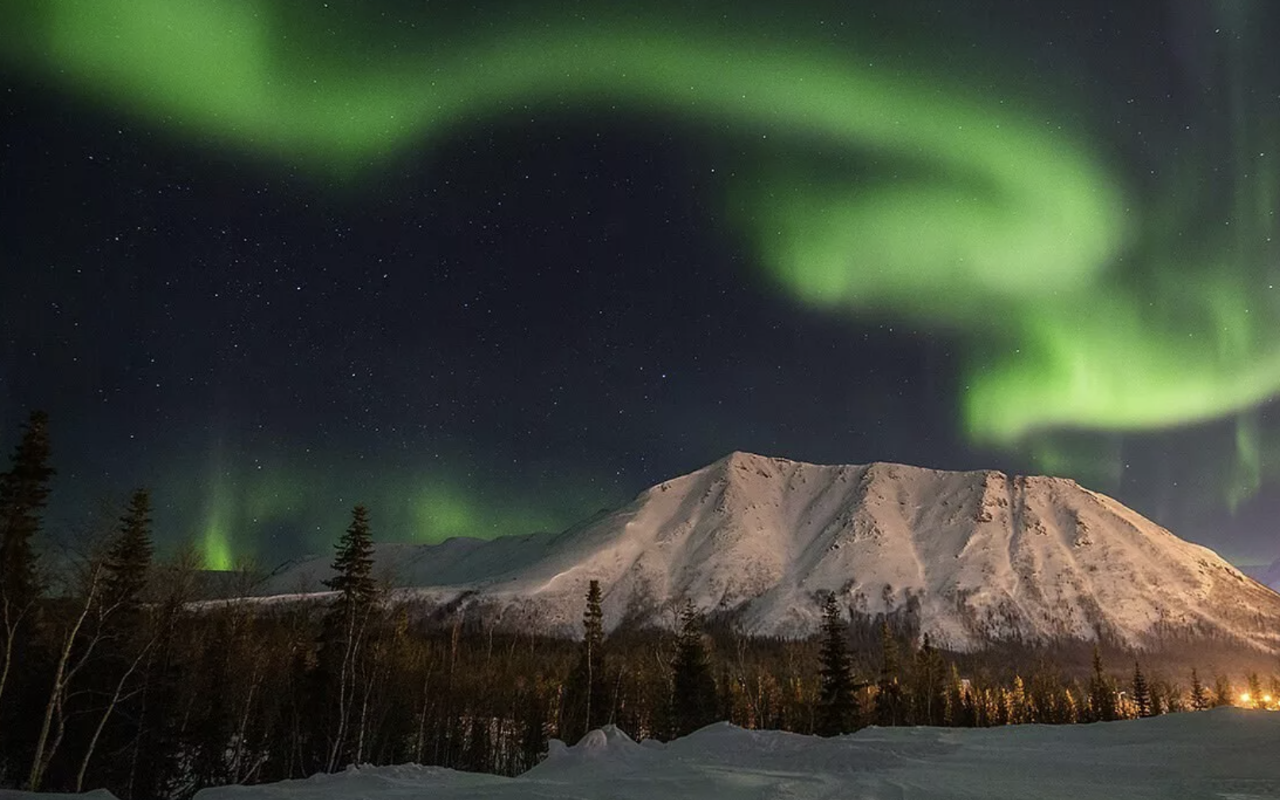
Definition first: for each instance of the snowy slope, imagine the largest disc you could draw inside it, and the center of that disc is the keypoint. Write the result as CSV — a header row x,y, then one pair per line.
x,y
1226,753
981,553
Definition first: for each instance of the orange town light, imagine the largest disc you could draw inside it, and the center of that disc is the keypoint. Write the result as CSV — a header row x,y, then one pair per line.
x,y
1244,698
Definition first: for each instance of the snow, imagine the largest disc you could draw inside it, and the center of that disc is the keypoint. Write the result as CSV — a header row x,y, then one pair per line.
x,y
1227,753
983,553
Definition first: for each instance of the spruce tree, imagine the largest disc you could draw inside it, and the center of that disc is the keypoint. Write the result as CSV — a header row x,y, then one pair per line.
x,y
1255,691
24,491
533,738
1142,693
354,565
890,702
1199,695
587,691
1102,695
693,698
837,709
1019,707
338,676
1223,694
128,558
930,688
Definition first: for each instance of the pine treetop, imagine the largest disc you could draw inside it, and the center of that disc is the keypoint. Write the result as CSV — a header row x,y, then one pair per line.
x,y
353,563
129,555
1141,692
836,706
693,694
593,616
24,491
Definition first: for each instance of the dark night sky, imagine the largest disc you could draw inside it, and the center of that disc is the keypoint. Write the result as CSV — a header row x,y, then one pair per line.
x,y
508,316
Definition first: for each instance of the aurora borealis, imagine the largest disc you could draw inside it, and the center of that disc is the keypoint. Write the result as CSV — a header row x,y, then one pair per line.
x,y
491,268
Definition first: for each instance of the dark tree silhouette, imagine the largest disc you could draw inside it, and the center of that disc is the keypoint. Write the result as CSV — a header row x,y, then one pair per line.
x,y
354,565
341,665
1142,693
693,696
24,491
837,707
1199,695
586,703
890,705
1102,694
930,689
129,555
1255,690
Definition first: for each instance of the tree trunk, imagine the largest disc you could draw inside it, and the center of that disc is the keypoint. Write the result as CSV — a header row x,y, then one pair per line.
x,y
116,697
40,761
11,624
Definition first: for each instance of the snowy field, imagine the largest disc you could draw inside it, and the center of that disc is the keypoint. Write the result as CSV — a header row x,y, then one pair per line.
x,y
1228,753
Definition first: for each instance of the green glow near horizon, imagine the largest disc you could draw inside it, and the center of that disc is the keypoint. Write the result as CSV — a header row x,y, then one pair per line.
x,y
408,505
215,547
981,218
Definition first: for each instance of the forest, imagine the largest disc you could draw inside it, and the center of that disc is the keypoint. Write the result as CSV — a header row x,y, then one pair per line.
x,y
121,672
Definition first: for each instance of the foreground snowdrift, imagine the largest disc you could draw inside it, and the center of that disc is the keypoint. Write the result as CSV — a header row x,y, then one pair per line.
x,y
1228,754
1220,754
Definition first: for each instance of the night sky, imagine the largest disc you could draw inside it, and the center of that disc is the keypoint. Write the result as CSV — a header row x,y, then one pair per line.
x,y
489,268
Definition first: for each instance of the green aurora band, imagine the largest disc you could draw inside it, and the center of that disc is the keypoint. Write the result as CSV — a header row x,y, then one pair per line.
x,y
980,218
241,508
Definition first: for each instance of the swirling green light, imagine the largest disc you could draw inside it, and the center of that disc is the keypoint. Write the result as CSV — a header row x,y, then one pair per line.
x,y
980,216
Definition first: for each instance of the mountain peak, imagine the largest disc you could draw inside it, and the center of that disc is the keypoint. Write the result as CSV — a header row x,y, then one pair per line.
x,y
976,555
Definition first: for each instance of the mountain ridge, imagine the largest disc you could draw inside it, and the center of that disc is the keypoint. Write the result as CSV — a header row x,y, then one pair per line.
x,y
975,555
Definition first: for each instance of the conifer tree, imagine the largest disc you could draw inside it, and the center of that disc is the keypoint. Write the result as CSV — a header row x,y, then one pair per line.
x,y
533,741
129,555
1255,691
24,491
1019,706
131,634
693,697
890,702
837,709
1223,694
1199,695
345,628
962,710
929,685
354,565
587,691
1070,708
1142,693
1102,694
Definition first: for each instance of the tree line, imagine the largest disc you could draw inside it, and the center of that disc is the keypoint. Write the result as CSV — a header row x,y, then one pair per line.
x,y
124,680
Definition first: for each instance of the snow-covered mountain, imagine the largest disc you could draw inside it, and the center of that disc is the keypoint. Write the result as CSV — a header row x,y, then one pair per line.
x,y
975,554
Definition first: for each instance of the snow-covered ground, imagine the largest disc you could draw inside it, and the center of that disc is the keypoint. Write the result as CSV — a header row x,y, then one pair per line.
x,y
1229,754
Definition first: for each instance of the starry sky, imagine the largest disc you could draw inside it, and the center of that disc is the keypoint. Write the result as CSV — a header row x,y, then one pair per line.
x,y
491,267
